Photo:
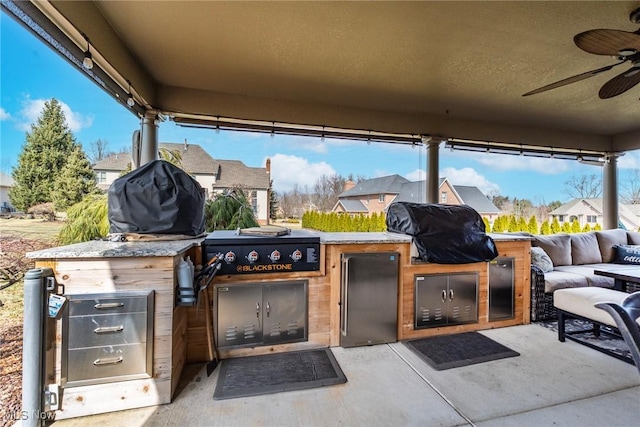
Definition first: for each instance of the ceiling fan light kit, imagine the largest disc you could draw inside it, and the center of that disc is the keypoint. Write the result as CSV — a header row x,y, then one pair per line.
x,y
624,46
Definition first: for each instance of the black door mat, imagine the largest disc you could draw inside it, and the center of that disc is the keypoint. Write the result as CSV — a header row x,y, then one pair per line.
x,y
452,351
274,373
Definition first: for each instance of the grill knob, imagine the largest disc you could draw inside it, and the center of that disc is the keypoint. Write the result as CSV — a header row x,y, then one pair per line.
x,y
275,255
253,256
296,255
229,257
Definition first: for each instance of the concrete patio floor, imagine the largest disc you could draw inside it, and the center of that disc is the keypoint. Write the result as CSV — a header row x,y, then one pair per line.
x,y
549,384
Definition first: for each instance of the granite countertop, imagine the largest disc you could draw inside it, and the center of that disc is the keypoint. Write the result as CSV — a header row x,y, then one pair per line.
x,y
363,237
106,249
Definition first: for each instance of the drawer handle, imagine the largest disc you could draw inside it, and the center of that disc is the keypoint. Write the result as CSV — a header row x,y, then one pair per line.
x,y
108,361
108,305
109,329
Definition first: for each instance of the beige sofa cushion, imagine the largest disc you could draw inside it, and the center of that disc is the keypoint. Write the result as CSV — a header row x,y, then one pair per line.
x,y
582,302
557,279
585,249
586,270
607,239
557,246
634,237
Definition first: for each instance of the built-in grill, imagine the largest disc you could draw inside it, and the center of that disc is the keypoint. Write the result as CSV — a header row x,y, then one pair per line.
x,y
264,312
298,250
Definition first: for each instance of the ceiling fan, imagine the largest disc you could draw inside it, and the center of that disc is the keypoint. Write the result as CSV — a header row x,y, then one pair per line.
x,y
622,45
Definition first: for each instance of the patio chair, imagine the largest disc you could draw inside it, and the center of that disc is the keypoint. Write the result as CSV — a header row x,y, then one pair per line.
x,y
626,316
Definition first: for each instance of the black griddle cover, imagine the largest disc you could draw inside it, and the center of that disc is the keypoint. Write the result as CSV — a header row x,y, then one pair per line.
x,y
443,234
157,198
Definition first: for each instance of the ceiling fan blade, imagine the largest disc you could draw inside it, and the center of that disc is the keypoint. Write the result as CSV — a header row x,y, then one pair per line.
x,y
620,83
573,79
607,42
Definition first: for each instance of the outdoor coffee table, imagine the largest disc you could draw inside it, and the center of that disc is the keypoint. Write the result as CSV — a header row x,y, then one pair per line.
x,y
622,275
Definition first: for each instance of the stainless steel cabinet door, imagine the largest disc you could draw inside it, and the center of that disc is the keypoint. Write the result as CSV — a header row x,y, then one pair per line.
x,y
239,315
431,298
369,303
285,312
463,298
445,299
501,289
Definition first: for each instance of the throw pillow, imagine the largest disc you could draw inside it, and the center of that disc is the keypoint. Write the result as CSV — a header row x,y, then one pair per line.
x,y
585,249
627,254
540,259
557,246
607,239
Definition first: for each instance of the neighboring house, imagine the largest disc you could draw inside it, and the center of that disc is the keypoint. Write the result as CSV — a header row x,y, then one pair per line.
x,y
6,183
589,211
375,195
213,175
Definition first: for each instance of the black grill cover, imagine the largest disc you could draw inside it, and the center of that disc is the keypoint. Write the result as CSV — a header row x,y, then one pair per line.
x,y
157,198
443,234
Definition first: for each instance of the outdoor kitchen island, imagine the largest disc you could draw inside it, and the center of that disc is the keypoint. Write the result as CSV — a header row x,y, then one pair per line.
x,y
184,334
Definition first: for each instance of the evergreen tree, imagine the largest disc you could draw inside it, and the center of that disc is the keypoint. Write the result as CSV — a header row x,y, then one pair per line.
x,y
522,224
545,228
273,202
575,226
533,225
555,225
43,157
566,227
76,180
513,224
586,228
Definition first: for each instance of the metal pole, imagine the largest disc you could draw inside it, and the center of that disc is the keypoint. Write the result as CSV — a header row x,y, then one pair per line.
x,y
433,173
33,369
610,192
149,146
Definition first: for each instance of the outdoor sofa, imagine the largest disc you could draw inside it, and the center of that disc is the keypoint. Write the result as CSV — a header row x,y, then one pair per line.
x,y
560,261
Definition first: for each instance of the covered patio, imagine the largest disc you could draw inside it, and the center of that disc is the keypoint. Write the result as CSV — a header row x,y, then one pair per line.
x,y
550,383
441,74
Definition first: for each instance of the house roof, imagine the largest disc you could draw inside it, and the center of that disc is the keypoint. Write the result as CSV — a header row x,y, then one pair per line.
x,y
411,191
350,205
232,173
389,184
473,197
415,192
6,180
194,159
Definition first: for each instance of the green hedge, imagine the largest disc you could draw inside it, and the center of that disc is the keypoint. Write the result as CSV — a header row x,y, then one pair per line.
x,y
334,222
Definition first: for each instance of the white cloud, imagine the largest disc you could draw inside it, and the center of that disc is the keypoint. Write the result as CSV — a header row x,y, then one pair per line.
x,y
288,170
468,176
32,109
416,175
464,176
4,115
630,160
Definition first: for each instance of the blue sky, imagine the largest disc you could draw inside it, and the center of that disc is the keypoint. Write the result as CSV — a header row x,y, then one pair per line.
x,y
31,73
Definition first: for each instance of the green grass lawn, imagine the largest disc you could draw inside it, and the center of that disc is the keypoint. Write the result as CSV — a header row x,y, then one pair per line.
x,y
17,236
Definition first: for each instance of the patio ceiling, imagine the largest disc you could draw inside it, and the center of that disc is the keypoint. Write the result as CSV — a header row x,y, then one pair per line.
x,y
446,69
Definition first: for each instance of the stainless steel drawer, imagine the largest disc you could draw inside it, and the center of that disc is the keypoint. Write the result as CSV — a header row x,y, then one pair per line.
x,y
92,331
98,304
99,363
107,338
